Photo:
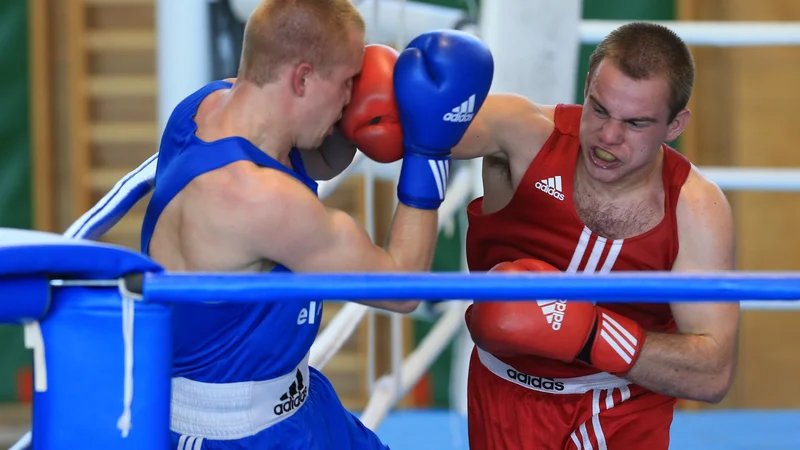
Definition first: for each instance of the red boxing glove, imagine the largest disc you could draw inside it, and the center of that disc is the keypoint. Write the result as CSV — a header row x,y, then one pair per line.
x,y
555,329
371,119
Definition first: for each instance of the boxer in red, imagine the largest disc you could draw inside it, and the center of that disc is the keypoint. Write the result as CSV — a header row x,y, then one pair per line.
x,y
594,188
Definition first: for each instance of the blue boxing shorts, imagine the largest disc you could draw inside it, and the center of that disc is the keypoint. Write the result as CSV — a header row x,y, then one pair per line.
x,y
307,416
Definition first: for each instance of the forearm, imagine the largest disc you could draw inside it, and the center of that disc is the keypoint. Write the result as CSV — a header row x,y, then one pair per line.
x,y
410,245
686,366
412,238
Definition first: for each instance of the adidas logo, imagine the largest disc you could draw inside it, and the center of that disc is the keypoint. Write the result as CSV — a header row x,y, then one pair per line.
x,y
441,172
551,186
554,311
463,112
547,384
296,396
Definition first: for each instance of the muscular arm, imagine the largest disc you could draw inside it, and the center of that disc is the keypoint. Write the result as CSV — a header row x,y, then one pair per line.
x,y
699,362
506,123
331,158
295,228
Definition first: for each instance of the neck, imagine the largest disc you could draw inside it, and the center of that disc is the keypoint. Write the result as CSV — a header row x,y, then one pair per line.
x,y
645,177
260,116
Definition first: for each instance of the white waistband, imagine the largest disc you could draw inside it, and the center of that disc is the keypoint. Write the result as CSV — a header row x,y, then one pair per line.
x,y
223,411
576,385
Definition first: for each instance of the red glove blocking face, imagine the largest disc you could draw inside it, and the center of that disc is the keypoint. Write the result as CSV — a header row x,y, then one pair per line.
x,y
555,329
371,120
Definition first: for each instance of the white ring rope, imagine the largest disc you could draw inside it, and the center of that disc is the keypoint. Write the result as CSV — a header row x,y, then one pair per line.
x,y
415,365
771,179
338,331
708,33
775,179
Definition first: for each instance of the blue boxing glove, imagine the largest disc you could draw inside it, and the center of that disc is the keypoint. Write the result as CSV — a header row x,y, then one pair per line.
x,y
441,80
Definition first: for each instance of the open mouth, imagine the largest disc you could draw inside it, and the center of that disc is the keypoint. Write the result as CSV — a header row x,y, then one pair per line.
x,y
603,158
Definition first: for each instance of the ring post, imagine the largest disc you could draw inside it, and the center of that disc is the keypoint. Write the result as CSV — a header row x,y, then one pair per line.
x,y
101,356
85,362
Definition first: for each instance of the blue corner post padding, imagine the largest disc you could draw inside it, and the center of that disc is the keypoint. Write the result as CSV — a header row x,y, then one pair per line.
x,y
29,259
88,342
26,252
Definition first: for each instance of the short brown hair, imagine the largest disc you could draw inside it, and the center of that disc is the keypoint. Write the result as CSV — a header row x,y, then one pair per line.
x,y
641,50
284,32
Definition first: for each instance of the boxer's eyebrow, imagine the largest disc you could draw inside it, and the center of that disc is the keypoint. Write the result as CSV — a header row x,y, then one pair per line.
x,y
630,120
598,104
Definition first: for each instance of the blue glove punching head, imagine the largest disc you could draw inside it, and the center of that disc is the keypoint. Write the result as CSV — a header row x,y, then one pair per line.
x,y
441,80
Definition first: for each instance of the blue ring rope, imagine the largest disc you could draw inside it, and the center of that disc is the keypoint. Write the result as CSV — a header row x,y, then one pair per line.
x,y
655,287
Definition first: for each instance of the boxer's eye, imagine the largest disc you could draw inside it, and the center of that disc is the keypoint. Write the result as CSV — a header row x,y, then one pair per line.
x,y
375,120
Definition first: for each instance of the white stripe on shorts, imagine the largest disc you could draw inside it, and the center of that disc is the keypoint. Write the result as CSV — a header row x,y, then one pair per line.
x,y
598,405
190,442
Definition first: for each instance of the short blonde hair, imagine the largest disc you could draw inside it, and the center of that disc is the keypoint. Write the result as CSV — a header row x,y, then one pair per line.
x,y
288,32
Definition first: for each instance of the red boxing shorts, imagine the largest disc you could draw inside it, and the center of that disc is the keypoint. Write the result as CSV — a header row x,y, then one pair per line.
x,y
509,410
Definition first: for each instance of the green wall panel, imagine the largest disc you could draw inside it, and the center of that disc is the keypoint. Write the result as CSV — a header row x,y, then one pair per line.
x,y
15,165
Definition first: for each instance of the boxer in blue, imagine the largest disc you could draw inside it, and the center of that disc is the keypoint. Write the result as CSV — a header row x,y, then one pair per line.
x,y
235,191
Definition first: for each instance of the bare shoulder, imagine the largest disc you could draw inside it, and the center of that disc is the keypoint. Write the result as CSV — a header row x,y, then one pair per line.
x,y
549,113
249,204
222,217
526,135
506,125
267,195
705,225
701,201
524,121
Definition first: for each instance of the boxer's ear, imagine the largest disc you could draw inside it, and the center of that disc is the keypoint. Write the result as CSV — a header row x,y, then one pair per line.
x,y
678,124
300,76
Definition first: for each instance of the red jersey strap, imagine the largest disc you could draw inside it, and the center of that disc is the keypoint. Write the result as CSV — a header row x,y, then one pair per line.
x,y
676,171
568,119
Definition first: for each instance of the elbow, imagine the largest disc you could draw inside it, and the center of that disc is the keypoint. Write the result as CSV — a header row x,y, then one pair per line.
x,y
717,386
405,307
714,394
716,398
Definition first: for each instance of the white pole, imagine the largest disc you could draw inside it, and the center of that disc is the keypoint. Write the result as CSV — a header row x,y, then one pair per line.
x,y
183,53
394,22
535,44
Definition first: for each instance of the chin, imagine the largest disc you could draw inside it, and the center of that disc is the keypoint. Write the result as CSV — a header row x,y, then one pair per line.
x,y
605,175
